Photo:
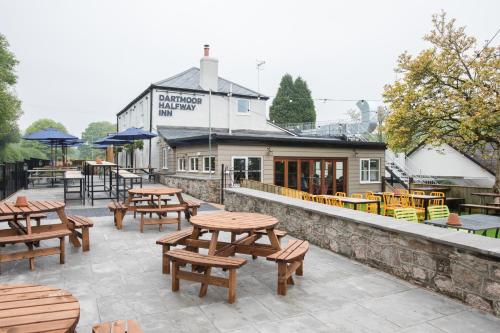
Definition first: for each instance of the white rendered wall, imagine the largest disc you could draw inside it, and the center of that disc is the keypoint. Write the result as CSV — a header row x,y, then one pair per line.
x,y
447,162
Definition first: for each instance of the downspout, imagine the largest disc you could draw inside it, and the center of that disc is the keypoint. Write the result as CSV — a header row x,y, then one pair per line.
x,y
229,108
209,132
150,122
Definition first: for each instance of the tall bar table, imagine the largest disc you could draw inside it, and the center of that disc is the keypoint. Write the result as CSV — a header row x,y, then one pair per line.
x,y
93,188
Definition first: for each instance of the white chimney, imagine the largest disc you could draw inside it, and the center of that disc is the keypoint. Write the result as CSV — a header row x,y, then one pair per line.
x,y
209,68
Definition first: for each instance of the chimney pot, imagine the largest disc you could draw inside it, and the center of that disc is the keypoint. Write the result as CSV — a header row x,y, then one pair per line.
x,y
206,50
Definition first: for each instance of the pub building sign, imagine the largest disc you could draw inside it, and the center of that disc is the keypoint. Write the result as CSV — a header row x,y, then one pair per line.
x,y
168,103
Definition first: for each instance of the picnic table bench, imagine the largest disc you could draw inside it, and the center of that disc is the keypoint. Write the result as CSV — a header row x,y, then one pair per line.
x,y
290,260
162,216
486,208
179,257
31,235
118,326
119,210
82,223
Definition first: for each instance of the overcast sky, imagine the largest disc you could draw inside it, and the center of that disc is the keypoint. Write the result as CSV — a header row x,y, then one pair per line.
x,y
83,61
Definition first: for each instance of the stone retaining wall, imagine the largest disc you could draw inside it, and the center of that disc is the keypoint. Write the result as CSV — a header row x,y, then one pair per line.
x,y
200,188
457,264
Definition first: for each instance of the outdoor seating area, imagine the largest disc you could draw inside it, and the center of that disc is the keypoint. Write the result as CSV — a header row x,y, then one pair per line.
x,y
216,261
422,205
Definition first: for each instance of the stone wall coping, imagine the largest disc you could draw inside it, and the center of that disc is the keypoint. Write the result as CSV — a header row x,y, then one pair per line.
x,y
459,239
192,177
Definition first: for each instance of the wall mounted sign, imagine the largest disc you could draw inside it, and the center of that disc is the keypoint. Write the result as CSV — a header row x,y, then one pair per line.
x,y
168,103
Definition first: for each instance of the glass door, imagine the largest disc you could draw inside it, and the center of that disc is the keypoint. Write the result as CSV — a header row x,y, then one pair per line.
x,y
305,175
292,173
279,173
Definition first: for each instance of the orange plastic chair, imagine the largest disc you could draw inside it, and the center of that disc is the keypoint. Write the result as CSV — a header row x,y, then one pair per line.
x,y
416,192
390,202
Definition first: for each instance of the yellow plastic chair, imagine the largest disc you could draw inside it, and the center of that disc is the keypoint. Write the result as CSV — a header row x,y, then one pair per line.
x,y
341,194
368,193
408,214
438,212
404,200
437,202
417,192
402,191
418,204
357,195
372,208
319,199
307,196
333,202
391,203
437,194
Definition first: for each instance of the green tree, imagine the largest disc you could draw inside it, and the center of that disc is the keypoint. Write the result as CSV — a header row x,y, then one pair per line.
x,y
293,102
448,94
93,132
10,106
304,104
34,148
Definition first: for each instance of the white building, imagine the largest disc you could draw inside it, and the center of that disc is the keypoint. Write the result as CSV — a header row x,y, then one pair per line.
x,y
197,97
448,162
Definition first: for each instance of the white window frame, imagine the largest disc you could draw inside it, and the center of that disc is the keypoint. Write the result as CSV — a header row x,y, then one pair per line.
x,y
164,158
204,164
361,181
197,164
181,166
241,113
246,163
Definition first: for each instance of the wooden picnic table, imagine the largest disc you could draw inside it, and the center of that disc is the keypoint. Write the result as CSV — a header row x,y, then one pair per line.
x,y
32,235
471,223
354,201
155,193
37,308
234,223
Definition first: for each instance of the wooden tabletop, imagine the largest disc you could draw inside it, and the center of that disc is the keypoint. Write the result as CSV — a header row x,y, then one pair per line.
x,y
8,208
155,191
430,189
234,222
37,308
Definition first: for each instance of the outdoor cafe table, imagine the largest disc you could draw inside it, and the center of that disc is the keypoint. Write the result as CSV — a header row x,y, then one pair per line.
x,y
89,170
34,207
37,308
425,198
235,223
354,201
473,222
155,194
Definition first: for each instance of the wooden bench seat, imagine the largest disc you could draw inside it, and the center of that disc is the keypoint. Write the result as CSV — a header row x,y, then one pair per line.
x,y
82,223
486,208
37,217
290,260
117,326
38,233
192,208
279,233
172,239
162,216
119,210
181,257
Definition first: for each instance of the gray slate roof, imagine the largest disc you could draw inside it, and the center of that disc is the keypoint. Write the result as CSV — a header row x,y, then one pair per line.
x,y
190,79
179,132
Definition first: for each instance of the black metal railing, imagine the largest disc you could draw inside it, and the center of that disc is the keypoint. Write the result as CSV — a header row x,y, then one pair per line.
x,y
13,177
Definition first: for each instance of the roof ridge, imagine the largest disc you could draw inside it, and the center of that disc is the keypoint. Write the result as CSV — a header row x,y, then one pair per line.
x,y
176,75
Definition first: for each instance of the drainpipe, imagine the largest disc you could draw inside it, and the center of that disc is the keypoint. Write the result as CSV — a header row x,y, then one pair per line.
x,y
209,132
229,108
150,123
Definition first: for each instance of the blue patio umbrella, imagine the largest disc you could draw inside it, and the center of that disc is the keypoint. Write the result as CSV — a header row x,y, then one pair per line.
x,y
52,136
133,133
108,141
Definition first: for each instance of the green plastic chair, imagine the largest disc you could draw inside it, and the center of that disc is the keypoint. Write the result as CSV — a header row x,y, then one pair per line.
x,y
438,212
408,214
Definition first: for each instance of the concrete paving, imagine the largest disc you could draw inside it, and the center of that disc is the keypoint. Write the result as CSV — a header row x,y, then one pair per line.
x,y
120,278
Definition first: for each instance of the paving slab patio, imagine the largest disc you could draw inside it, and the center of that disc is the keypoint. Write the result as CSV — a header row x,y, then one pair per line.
x,y
120,278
